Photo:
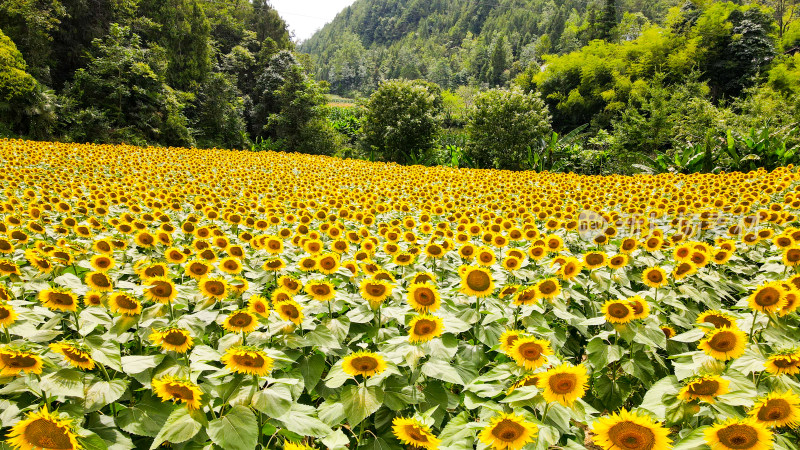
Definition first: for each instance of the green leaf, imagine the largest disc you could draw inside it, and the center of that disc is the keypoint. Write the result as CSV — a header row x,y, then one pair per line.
x,y
137,364
236,430
66,382
91,441
301,419
693,441
311,367
144,417
274,400
689,336
101,393
456,435
179,427
360,402
601,354
442,370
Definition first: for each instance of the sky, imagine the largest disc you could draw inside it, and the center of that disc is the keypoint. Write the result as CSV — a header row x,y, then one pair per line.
x,y
304,17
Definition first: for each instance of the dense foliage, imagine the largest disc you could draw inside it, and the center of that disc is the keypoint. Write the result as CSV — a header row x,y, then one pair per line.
x,y
236,300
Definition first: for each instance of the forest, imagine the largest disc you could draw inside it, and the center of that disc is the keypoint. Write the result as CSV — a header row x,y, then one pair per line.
x,y
590,86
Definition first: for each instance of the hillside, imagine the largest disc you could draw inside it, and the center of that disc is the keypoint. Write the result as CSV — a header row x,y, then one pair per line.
x,y
454,42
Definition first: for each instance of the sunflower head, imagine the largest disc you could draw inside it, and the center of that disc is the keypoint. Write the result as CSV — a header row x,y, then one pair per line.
x,y
626,430
214,287
43,430
259,305
363,363
58,299
7,314
241,321
122,303
739,434
375,291
290,310
768,298
508,431
529,352
564,384
527,296
14,362
654,277
716,318
161,289
320,290
178,390
247,360
785,362
424,297
75,355
704,388
549,288
778,410
414,433
290,284
477,281
618,311
724,343
172,339
424,327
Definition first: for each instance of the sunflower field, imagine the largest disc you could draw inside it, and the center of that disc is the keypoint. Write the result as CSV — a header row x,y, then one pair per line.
x,y
201,299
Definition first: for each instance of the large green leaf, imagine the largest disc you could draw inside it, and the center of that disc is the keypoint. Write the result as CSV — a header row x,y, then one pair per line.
x,y
360,402
101,393
236,430
144,417
179,427
274,400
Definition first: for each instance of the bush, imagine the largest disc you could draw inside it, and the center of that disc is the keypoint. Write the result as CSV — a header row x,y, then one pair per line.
x,y
502,125
402,121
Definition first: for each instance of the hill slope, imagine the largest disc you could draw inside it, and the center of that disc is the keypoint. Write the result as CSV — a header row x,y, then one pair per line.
x,y
454,42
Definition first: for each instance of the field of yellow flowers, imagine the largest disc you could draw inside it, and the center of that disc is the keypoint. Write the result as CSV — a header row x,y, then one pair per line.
x,y
221,299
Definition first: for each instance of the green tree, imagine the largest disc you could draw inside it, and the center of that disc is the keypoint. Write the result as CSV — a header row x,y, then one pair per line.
x,y
21,97
608,24
503,124
31,24
220,113
402,121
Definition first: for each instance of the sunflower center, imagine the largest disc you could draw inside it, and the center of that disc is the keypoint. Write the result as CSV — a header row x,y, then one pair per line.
x,y
215,287
638,308
155,271
100,280
327,263
180,392
655,276
259,307
18,361
775,409
46,434
478,281
249,360
161,289
784,363
75,355
563,383
424,296
103,262
321,289
61,299
376,290
4,313
683,268
198,269
309,263
508,430
717,321
290,311
424,327
768,297
570,268
365,363
126,302
530,351
240,320
594,259
793,255
629,435
738,436
103,246
415,434
175,337
723,341
704,387
618,310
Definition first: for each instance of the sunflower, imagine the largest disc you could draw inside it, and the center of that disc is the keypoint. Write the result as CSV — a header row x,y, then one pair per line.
x,y
363,363
655,277
120,302
778,410
683,269
563,384
241,321
102,263
792,298
570,268
290,284
768,298
7,314
43,430
93,298
786,362
508,431
527,296
99,281
791,256
527,380
178,390
319,290
290,310
58,299
161,289
412,432
618,311
594,260
257,304
668,331
641,309
375,291
273,265
73,354
618,261
629,431
424,297
172,339
9,267
197,269
13,362
477,281
293,446
230,265
424,327
486,257
247,360
529,352
739,434
512,263
41,264
214,287
508,338
717,318
704,388
724,343
175,255
328,263
548,288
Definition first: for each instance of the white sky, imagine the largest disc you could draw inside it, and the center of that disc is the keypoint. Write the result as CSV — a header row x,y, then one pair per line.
x,y
304,17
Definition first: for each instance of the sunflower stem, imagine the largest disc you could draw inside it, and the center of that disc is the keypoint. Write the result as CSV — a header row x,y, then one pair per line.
x,y
103,370
753,326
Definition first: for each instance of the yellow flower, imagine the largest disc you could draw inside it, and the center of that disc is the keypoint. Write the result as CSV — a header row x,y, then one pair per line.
x,y
548,288
75,356
328,263
161,289
477,282
739,434
230,265
425,327
423,297
257,304
655,277
122,303
14,362
197,269
241,321
247,360
618,311
704,388
102,263
58,299
724,343
778,410
784,363
508,338
594,260
564,384
172,339
641,309
215,288
629,431
322,291
7,315
375,291
290,284
768,298
717,318
99,281
527,380
508,431
363,363
289,310
570,268
530,353
43,430
178,390
411,432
